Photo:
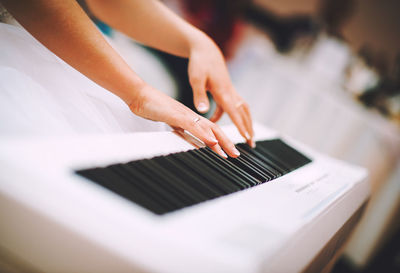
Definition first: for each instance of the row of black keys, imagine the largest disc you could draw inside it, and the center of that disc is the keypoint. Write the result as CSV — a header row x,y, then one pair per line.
x,y
167,183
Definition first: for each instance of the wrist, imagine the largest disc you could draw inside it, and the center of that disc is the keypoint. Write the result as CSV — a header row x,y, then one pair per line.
x,y
134,95
199,41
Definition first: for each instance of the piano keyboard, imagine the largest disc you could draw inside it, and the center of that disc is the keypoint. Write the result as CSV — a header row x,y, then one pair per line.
x,y
167,183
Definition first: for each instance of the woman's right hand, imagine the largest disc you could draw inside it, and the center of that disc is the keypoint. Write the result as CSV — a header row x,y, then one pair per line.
x,y
87,51
152,104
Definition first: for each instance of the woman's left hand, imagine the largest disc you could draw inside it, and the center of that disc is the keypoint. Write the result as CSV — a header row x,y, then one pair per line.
x,y
208,72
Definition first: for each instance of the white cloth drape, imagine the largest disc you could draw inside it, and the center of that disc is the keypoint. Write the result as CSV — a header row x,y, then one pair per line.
x,y
41,95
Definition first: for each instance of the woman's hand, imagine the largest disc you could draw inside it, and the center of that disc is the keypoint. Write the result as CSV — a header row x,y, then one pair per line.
x,y
208,72
152,104
153,24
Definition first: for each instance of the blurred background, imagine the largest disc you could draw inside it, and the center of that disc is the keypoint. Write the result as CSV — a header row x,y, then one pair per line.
x,y
325,72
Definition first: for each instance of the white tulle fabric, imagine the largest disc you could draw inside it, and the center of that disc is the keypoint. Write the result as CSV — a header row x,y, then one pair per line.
x,y
42,95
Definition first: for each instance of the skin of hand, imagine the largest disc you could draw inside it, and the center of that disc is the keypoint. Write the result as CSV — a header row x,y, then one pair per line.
x,y
208,72
207,69
74,38
162,29
156,105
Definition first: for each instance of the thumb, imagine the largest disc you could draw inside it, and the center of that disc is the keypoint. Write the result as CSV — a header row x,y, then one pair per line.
x,y
200,98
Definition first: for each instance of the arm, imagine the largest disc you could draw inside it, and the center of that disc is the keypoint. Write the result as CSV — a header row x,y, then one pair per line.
x,y
151,23
64,28
148,22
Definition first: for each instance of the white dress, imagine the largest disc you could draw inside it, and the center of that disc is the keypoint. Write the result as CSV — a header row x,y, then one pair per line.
x,y
41,95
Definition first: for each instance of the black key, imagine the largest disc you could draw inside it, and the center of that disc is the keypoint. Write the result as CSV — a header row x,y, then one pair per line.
x,y
192,168
264,165
186,181
259,169
168,183
223,170
264,149
213,177
245,166
141,181
250,179
286,153
112,182
266,159
152,182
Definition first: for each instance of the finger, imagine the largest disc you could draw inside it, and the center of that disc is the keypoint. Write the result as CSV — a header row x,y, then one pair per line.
x,y
204,135
217,149
207,132
200,98
237,119
233,109
207,127
249,119
246,115
225,142
217,114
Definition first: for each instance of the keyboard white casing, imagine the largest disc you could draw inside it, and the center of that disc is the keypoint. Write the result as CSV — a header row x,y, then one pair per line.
x,y
57,221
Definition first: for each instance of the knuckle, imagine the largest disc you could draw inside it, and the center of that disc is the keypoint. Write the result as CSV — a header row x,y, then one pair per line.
x,y
187,121
214,126
217,129
203,124
207,128
210,141
195,79
226,98
221,84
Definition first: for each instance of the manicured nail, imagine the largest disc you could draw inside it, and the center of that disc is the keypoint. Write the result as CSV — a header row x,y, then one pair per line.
x,y
202,107
223,154
252,144
214,140
236,152
247,136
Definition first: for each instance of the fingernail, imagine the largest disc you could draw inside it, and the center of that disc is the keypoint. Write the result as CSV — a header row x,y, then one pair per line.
x,y
247,136
236,152
223,154
214,140
202,107
253,144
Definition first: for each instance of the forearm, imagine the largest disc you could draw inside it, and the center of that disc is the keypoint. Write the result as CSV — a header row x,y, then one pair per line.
x,y
151,23
65,29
